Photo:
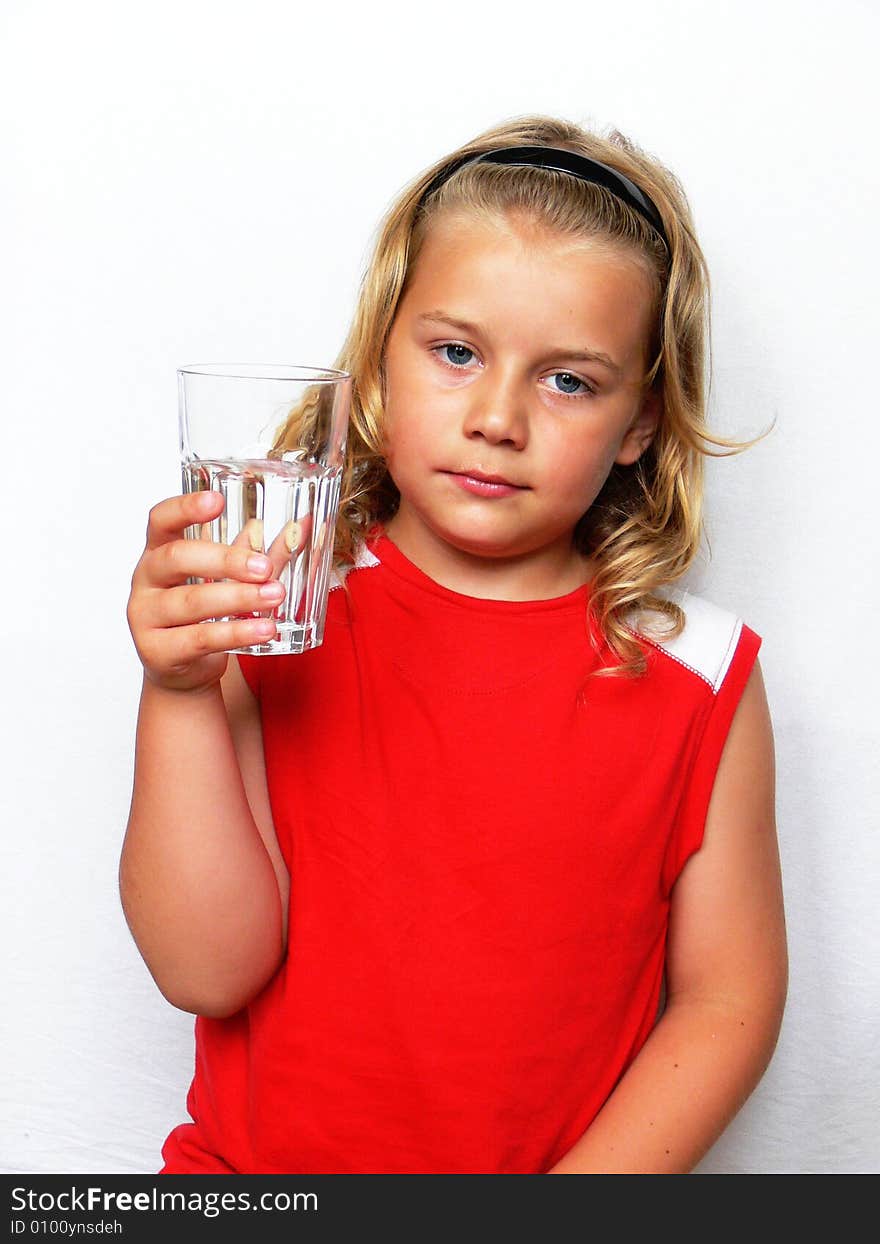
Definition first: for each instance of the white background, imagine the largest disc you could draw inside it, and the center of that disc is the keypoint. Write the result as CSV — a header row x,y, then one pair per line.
x,y
201,182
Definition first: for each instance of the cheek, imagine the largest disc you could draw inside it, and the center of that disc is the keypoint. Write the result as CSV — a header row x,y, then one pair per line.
x,y
583,465
394,407
410,422
401,437
398,395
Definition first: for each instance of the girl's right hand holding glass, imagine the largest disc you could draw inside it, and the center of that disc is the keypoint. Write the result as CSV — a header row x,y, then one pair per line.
x,y
178,646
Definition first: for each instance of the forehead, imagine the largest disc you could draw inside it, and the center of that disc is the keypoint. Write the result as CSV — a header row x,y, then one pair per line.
x,y
518,277
519,234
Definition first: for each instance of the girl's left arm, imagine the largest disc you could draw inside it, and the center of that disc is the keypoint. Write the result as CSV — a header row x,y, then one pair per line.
x,y
726,973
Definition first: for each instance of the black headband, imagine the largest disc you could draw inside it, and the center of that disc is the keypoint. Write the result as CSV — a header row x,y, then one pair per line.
x,y
562,162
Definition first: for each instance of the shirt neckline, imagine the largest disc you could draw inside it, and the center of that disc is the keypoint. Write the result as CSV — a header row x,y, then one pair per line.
x,y
390,556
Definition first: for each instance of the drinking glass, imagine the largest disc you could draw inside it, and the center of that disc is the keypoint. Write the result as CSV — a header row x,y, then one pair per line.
x,y
271,440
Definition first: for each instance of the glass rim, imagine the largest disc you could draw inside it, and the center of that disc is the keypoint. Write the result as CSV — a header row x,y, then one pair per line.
x,y
265,371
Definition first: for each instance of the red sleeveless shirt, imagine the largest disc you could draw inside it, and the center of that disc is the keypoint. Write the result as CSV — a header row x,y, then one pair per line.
x,y
482,843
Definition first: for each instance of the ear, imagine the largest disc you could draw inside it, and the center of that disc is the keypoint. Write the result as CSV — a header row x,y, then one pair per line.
x,y
640,432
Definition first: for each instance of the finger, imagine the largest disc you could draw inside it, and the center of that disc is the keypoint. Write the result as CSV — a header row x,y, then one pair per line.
x,y
186,605
170,518
316,560
173,563
251,535
290,542
189,643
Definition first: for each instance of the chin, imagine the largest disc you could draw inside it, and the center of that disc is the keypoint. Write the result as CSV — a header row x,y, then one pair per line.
x,y
487,544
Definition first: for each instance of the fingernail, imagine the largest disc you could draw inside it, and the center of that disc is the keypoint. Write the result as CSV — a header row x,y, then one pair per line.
x,y
293,536
271,591
258,564
255,535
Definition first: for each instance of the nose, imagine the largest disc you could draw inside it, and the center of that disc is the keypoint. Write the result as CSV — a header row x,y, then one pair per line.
x,y
497,413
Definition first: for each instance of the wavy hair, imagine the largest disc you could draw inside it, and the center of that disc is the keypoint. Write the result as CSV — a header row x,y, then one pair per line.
x,y
644,528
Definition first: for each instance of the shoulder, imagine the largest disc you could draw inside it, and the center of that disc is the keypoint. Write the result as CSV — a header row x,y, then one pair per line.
x,y
365,559
708,643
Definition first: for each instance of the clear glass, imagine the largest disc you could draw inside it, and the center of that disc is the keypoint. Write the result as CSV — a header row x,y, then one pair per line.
x,y
281,488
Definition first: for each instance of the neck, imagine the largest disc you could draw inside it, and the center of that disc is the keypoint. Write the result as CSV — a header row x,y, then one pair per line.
x,y
537,574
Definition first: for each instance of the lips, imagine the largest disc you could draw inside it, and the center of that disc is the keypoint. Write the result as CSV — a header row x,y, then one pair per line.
x,y
481,484
483,478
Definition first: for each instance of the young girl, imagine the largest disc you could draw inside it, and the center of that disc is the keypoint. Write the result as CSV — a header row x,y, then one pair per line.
x,y
488,882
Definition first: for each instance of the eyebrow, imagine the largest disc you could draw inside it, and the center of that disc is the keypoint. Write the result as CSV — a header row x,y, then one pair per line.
x,y
590,356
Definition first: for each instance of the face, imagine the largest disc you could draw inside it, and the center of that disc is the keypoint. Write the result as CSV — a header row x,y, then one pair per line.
x,y
513,383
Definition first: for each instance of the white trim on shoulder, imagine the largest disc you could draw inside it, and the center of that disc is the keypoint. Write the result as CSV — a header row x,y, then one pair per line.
x,y
363,559
707,643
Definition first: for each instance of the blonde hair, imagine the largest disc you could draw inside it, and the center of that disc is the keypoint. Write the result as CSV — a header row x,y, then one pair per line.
x,y
644,528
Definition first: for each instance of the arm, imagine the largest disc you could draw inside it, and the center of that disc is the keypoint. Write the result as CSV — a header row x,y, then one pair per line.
x,y
726,978
202,881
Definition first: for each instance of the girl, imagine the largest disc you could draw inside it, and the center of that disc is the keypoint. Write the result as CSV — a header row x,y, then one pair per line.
x,y
489,882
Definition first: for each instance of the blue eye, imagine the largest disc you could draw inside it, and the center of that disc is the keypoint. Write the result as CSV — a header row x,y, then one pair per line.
x,y
568,378
454,350
458,357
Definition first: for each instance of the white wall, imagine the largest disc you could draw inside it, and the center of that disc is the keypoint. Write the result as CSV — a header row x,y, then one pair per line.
x,y
200,181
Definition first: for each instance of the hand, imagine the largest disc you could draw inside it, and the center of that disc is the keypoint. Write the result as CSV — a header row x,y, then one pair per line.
x,y
168,617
